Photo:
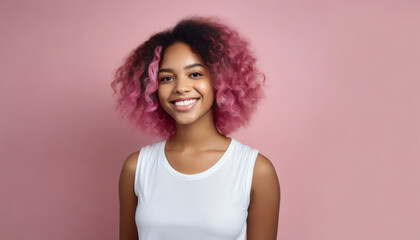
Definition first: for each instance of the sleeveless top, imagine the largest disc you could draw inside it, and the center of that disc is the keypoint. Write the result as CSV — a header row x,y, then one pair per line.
x,y
208,205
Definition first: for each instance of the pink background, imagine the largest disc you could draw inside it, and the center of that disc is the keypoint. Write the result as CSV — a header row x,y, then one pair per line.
x,y
341,120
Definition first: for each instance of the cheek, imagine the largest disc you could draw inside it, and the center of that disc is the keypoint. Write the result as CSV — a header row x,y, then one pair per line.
x,y
206,89
162,95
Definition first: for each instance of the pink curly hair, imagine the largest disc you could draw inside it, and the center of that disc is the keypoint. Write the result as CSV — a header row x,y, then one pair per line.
x,y
236,81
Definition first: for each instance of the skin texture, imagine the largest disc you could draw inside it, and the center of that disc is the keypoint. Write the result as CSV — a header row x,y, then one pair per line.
x,y
197,138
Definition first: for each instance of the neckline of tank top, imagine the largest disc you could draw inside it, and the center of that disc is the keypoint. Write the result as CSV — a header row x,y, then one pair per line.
x,y
195,176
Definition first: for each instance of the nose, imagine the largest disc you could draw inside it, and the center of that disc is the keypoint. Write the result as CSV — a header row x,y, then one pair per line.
x,y
182,85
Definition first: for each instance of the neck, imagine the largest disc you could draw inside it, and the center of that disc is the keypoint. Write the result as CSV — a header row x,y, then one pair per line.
x,y
199,135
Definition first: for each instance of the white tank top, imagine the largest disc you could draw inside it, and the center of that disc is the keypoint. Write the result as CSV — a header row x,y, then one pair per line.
x,y
208,205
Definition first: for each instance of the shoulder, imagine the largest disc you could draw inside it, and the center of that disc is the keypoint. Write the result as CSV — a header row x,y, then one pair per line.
x,y
130,163
263,164
128,169
127,175
263,210
264,176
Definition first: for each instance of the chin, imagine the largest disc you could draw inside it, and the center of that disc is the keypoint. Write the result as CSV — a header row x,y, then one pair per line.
x,y
184,121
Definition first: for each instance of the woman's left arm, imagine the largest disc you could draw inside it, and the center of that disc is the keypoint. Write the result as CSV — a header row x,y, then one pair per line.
x,y
264,206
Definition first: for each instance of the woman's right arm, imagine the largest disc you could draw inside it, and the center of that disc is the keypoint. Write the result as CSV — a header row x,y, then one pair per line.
x,y
128,199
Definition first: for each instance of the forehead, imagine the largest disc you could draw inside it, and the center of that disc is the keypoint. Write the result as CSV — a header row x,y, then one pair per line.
x,y
179,55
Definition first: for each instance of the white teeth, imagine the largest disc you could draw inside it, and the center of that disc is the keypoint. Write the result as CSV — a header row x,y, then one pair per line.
x,y
185,103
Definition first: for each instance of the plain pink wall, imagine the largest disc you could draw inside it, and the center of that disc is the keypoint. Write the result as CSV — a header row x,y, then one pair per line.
x,y
341,120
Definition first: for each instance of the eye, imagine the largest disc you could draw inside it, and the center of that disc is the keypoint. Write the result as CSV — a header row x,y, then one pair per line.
x,y
166,79
195,74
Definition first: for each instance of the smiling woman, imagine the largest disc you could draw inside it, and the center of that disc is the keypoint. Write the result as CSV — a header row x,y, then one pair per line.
x,y
185,89
193,85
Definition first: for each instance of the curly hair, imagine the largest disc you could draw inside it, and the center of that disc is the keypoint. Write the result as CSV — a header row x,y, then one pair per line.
x,y
237,83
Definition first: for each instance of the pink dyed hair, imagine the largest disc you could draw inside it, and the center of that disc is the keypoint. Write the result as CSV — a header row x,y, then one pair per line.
x,y
236,81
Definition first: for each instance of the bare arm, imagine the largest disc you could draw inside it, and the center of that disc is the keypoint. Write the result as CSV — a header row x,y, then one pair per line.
x,y
128,199
264,207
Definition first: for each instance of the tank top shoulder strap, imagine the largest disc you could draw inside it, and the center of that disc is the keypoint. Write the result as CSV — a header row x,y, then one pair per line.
x,y
246,157
148,156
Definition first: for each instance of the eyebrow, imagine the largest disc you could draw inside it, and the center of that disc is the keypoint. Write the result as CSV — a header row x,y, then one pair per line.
x,y
185,68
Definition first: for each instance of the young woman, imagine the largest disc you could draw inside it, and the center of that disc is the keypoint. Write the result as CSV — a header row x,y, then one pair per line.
x,y
192,85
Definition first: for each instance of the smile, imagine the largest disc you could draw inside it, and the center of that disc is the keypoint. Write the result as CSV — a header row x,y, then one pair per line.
x,y
185,105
